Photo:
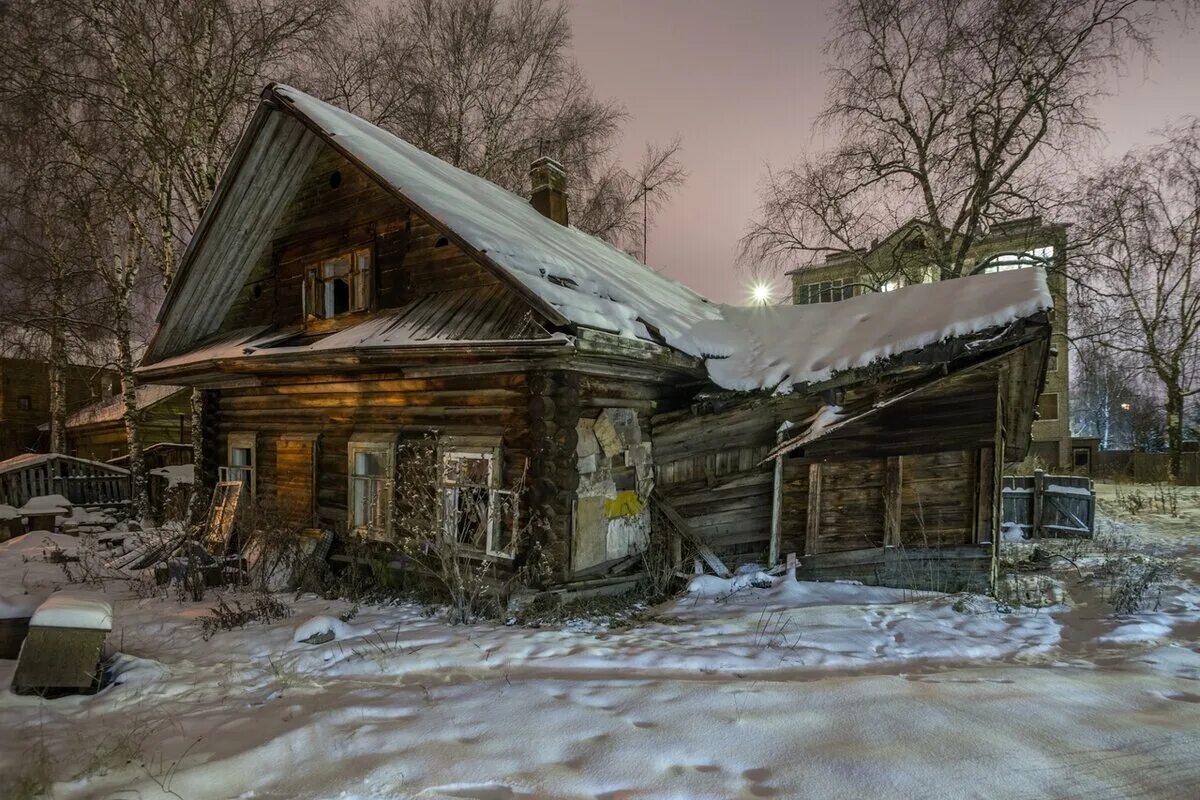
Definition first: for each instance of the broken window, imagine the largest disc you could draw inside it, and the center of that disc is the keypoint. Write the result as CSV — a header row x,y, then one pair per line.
x,y
1037,257
476,512
370,501
338,285
240,463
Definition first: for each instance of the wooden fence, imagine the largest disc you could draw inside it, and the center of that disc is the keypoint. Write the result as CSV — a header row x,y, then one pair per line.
x,y
81,481
1050,505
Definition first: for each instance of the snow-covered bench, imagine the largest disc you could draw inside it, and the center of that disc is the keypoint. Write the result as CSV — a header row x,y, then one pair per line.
x,y
63,650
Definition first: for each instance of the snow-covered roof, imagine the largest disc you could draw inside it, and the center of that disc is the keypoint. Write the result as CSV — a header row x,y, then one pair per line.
x,y
577,278
777,347
113,409
584,278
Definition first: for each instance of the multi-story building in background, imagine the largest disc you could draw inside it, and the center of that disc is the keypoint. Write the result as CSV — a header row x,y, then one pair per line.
x,y
900,260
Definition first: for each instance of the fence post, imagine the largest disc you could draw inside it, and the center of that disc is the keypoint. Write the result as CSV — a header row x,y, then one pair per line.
x,y
1039,486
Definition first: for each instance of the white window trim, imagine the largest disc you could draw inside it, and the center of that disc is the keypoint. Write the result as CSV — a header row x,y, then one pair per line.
x,y
246,440
489,449
377,443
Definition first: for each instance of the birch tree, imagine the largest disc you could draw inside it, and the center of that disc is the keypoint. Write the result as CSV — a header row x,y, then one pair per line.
x,y
1139,265
956,112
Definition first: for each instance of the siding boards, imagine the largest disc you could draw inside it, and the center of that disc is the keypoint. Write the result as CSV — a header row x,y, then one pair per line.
x,y
335,409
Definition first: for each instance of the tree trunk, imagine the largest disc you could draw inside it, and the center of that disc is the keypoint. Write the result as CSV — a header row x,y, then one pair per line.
x,y
1174,431
139,493
58,368
198,506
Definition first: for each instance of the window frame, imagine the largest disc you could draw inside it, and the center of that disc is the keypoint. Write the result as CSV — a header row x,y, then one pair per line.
x,y
247,474
360,279
381,444
813,292
491,450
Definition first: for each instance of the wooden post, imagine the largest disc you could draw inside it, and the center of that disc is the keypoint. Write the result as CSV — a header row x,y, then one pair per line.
x,y
892,483
813,529
1039,486
776,512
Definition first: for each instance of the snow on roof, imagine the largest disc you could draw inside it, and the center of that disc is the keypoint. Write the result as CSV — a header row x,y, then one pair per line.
x,y
585,279
70,610
777,347
113,409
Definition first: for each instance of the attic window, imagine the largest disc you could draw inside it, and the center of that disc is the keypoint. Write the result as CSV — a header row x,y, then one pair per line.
x,y
338,285
441,242
335,179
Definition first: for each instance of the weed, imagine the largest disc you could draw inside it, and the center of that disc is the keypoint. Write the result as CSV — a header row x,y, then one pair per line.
x,y
263,608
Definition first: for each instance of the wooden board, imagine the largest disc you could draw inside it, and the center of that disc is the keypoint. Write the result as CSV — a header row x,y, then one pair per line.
x,y
56,661
295,486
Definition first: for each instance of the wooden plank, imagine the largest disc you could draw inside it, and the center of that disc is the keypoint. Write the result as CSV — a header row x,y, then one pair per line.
x,y
892,504
813,528
776,513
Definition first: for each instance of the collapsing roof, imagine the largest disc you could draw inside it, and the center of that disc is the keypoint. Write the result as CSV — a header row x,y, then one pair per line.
x,y
574,280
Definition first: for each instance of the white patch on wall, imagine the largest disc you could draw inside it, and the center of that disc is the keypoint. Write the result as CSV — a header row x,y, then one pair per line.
x,y
616,476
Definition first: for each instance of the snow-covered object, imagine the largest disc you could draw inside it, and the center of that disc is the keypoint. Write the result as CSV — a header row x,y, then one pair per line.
x,y
17,606
1077,491
46,504
7,512
586,280
776,347
70,610
324,624
1012,532
177,475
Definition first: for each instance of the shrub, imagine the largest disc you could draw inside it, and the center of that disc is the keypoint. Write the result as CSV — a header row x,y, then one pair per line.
x,y
262,608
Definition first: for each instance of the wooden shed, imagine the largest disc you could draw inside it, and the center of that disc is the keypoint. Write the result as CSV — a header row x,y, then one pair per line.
x,y
348,300
97,431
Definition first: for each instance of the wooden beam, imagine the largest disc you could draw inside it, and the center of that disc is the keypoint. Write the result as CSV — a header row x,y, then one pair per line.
x,y
813,528
776,513
892,483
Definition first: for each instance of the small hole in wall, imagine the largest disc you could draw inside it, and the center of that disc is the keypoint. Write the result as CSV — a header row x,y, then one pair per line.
x,y
335,180
257,291
442,242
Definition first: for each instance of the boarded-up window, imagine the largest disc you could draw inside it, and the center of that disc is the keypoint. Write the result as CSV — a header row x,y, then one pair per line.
x,y
295,495
1048,406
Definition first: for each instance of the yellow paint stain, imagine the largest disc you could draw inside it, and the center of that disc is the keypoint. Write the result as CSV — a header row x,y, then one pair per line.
x,y
625,504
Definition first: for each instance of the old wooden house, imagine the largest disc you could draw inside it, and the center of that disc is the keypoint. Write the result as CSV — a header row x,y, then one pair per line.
x,y
25,400
97,431
347,295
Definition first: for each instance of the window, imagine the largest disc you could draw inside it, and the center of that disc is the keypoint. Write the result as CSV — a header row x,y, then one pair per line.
x,y
371,467
1048,406
890,286
1037,257
825,291
476,512
338,285
241,462
1052,361
24,402
1082,457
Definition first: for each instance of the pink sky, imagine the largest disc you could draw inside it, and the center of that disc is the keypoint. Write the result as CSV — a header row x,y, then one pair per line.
x,y
740,82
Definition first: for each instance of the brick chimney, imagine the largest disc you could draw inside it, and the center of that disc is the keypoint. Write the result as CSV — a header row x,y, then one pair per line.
x,y
549,182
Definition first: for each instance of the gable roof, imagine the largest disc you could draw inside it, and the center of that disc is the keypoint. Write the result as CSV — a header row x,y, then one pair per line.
x,y
572,277
113,409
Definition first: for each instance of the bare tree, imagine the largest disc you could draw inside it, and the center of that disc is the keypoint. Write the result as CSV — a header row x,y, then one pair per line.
x,y
1139,265
954,112
489,86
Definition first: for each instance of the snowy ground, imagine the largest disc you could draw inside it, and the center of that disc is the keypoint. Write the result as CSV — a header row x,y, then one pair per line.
x,y
798,690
